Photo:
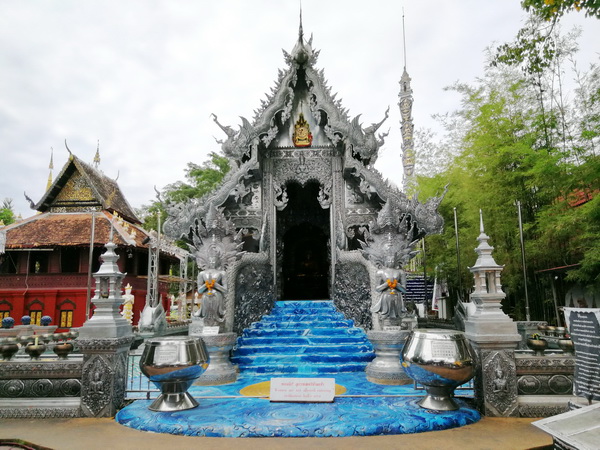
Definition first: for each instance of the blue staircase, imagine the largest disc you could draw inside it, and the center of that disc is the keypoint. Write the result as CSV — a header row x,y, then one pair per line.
x,y
302,338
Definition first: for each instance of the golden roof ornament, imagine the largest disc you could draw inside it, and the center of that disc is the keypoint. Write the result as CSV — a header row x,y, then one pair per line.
x,y
302,136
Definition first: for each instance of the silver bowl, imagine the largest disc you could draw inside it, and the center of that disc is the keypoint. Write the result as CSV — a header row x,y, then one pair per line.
x,y
173,364
440,360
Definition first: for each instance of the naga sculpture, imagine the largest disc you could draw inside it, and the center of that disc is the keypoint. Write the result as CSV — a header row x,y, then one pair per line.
x,y
215,247
390,244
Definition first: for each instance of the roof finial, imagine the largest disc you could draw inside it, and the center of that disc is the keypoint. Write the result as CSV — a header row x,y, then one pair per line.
x,y
50,166
481,222
68,149
300,30
97,156
404,37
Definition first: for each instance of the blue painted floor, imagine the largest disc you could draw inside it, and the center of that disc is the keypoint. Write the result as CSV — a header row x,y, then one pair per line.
x,y
365,409
299,339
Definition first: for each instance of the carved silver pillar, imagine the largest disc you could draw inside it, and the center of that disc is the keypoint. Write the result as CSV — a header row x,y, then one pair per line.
x,y
493,336
104,340
104,375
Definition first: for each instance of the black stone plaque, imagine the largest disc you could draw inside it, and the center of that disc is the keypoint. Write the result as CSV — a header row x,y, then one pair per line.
x,y
584,328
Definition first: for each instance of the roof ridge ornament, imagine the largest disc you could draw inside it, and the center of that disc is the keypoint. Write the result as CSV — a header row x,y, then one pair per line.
x,y
300,30
302,52
96,161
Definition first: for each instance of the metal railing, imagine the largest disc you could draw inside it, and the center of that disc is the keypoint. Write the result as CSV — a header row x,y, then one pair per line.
x,y
138,385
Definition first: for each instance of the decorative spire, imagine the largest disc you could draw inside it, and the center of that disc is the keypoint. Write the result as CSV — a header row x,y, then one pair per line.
x,y
404,38
97,156
300,30
406,124
302,53
50,166
485,260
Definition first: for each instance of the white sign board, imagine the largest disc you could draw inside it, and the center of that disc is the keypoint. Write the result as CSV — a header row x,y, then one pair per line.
x,y
165,354
302,389
210,331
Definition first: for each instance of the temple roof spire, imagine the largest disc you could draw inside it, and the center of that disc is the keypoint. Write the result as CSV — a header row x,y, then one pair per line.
x,y
96,161
404,39
302,53
300,29
51,167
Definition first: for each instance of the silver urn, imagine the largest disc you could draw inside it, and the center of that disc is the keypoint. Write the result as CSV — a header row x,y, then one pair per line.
x,y
173,364
440,360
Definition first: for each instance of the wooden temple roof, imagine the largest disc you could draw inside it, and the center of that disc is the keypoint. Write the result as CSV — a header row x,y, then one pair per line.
x,y
71,229
81,188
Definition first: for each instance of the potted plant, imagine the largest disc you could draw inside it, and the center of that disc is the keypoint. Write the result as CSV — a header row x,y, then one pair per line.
x,y
566,344
537,344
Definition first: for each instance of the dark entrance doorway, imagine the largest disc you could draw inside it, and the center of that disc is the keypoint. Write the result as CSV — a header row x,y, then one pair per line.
x,y
303,236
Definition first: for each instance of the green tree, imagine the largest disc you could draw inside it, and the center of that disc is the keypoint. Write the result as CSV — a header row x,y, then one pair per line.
x,y
7,214
534,46
199,181
521,141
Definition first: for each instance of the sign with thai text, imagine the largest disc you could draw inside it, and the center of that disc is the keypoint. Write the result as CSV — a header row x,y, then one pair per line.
x,y
210,331
165,354
444,350
302,390
584,327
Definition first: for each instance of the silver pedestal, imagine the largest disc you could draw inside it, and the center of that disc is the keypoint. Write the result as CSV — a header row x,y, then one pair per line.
x,y
172,364
386,367
220,370
440,360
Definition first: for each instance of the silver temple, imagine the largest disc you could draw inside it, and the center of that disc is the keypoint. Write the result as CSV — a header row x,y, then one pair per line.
x,y
301,195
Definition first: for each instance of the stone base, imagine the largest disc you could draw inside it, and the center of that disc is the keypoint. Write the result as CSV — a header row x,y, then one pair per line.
x,y
220,370
386,368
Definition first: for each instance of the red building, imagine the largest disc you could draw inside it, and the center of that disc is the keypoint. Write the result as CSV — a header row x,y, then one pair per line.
x,y
45,268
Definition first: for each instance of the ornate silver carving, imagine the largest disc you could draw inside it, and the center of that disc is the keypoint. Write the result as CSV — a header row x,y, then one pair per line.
x,y
536,410
97,381
545,384
324,197
43,387
216,249
280,199
103,345
41,369
255,296
40,412
496,385
564,365
352,288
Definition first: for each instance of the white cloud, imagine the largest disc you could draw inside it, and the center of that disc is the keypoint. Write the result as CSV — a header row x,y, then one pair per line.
x,y
143,77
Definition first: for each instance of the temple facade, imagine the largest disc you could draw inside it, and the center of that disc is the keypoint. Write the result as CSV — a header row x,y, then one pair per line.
x,y
45,269
303,200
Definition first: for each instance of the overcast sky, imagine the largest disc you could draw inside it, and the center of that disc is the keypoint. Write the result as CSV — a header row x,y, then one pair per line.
x,y
143,76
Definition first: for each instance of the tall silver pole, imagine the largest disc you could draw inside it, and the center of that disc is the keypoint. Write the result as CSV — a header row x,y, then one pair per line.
x,y
90,261
527,317
457,256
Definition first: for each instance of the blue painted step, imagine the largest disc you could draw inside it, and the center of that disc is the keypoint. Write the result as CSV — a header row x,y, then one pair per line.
x,y
303,338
